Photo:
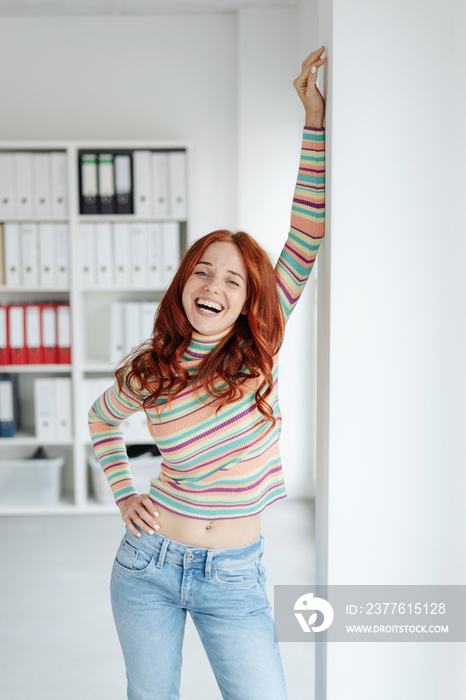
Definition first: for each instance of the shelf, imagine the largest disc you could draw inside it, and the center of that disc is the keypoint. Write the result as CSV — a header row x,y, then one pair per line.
x,y
34,290
36,369
113,218
35,219
24,438
120,290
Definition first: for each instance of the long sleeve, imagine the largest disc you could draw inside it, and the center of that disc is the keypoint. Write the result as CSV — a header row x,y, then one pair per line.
x,y
105,417
307,221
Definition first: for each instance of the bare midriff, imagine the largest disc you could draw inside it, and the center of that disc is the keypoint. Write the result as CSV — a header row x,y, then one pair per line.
x,y
212,534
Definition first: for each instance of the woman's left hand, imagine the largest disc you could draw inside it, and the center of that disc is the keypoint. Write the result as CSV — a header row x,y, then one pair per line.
x,y
305,85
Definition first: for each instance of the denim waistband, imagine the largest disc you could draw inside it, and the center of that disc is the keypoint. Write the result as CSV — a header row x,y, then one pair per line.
x,y
165,548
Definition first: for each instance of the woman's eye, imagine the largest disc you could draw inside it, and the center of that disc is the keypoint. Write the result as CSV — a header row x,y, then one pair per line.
x,y
233,282
201,273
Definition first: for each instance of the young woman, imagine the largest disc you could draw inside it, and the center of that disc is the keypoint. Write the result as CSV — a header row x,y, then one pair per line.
x,y
207,380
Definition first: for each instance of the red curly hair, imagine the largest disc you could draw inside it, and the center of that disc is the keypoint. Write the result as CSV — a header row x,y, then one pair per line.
x,y
246,352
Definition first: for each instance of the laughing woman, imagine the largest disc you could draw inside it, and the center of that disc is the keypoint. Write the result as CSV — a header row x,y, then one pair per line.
x,y
207,381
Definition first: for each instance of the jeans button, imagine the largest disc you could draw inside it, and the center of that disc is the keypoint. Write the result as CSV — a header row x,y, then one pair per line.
x,y
190,556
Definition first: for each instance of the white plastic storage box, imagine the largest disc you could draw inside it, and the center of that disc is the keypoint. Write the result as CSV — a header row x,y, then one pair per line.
x,y
30,482
143,469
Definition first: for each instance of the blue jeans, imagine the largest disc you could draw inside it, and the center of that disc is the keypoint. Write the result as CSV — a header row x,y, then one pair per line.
x,y
155,580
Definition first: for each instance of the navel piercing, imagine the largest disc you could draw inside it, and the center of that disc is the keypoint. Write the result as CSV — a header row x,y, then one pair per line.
x,y
207,527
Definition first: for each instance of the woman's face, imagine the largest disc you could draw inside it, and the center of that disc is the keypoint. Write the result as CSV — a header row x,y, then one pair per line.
x,y
215,293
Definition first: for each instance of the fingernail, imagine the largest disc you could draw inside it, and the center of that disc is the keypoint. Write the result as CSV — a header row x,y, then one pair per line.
x,y
313,69
156,514
157,527
151,532
138,534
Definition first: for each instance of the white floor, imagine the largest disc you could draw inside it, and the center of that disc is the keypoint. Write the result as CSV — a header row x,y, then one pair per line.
x,y
57,638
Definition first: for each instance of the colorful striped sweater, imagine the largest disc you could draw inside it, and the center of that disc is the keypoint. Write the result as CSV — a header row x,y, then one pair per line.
x,y
220,465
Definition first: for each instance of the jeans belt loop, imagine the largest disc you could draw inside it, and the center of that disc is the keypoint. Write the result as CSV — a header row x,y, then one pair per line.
x,y
208,563
161,556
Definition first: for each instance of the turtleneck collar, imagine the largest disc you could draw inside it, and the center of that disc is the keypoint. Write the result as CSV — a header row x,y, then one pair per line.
x,y
200,345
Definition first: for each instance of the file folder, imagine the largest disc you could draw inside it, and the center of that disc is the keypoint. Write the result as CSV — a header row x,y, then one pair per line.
x,y
29,255
34,349
63,334
7,185
104,254
133,325
142,182
49,332
149,309
7,419
89,189
47,255
16,330
87,255
138,255
123,184
154,255
59,195
171,251
4,342
12,251
106,184
121,254
160,184
117,332
44,414
23,182
62,408
177,184
62,255
42,176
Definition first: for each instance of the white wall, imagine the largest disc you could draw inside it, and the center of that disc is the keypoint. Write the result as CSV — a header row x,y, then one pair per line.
x,y
270,124
393,308
162,77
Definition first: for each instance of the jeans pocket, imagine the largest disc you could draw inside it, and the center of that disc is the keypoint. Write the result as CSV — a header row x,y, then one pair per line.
x,y
132,559
231,577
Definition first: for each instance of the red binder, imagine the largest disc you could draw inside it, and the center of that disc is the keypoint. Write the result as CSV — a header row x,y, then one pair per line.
x,y
49,333
63,334
34,349
4,342
16,334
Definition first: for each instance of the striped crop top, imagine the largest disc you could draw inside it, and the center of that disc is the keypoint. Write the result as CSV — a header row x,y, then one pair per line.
x,y
219,465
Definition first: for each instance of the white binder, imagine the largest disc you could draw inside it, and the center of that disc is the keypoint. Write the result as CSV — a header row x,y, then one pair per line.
x,y
87,255
62,255
42,177
121,254
29,255
23,182
58,189
7,185
142,182
138,255
159,184
117,332
177,186
171,251
62,406
47,255
49,327
123,185
16,327
12,251
133,325
149,309
104,254
44,413
154,255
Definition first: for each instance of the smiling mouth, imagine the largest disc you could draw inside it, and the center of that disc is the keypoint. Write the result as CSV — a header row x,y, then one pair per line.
x,y
209,306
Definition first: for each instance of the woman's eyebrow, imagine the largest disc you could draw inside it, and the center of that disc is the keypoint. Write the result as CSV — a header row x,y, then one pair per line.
x,y
232,272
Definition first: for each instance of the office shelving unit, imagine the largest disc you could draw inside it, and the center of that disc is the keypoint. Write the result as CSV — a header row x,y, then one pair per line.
x,y
90,312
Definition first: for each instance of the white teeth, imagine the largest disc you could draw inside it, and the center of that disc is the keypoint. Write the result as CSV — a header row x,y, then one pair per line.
x,y
210,304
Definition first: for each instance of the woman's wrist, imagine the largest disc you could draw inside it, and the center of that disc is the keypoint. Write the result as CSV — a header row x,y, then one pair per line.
x,y
314,120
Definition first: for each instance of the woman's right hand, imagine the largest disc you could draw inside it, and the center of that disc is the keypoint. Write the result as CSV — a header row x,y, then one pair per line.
x,y
139,510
